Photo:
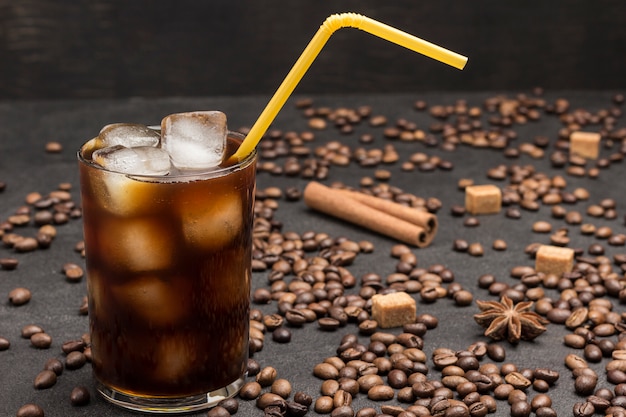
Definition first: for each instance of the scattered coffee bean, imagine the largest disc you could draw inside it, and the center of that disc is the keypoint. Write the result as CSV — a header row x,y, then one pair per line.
x,y
266,376
4,344
250,390
80,396
281,335
30,410
41,340
8,264
19,296
45,379
218,411
75,360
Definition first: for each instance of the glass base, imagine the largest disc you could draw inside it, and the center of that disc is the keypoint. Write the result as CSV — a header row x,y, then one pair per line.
x,y
165,405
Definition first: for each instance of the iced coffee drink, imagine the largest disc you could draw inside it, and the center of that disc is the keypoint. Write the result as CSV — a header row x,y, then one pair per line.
x,y
167,229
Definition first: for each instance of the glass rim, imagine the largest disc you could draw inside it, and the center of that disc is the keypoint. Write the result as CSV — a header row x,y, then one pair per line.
x,y
184,177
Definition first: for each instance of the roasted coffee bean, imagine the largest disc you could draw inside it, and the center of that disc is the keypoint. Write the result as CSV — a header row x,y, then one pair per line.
x,y
229,404
4,344
303,398
476,249
30,410
45,379
73,345
281,387
8,264
269,399
80,396
585,384
325,371
30,329
323,404
27,244
19,296
496,352
548,375
574,341
460,245
295,409
41,340
250,390
585,409
380,393
54,365
295,317
266,376
75,360
218,411
471,222
520,409
281,335
73,272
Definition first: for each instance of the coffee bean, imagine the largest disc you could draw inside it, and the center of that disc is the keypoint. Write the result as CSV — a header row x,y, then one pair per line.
x,y
496,352
281,335
75,360
303,398
218,411
281,387
80,396
471,222
53,147
475,249
19,296
4,344
45,379
8,264
323,404
585,409
328,323
380,393
30,410
54,365
270,399
266,376
73,272
250,390
520,409
27,244
41,340
30,329
296,409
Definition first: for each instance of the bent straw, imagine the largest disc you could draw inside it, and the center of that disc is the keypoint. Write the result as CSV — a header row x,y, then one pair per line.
x,y
328,27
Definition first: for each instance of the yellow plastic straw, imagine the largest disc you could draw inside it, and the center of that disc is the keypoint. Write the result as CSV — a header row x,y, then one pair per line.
x,y
330,25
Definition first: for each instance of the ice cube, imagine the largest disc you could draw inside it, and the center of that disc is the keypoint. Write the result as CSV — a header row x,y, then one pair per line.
x,y
137,244
140,160
195,140
124,196
157,302
212,221
128,134
175,358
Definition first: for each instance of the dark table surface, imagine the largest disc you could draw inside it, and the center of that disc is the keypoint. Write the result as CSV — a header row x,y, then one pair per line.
x,y
25,166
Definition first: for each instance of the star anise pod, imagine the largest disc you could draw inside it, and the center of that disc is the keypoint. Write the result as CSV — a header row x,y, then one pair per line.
x,y
505,320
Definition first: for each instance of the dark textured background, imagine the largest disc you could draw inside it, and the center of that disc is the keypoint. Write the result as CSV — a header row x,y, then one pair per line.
x,y
117,48
26,126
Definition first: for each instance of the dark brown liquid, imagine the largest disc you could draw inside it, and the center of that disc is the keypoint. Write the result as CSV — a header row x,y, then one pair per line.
x,y
169,286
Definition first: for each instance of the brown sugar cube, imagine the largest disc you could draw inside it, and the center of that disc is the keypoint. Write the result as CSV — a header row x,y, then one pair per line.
x,y
393,310
554,260
585,144
483,199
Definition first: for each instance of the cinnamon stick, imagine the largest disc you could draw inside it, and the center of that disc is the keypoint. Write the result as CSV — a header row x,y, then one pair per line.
x,y
421,218
338,204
